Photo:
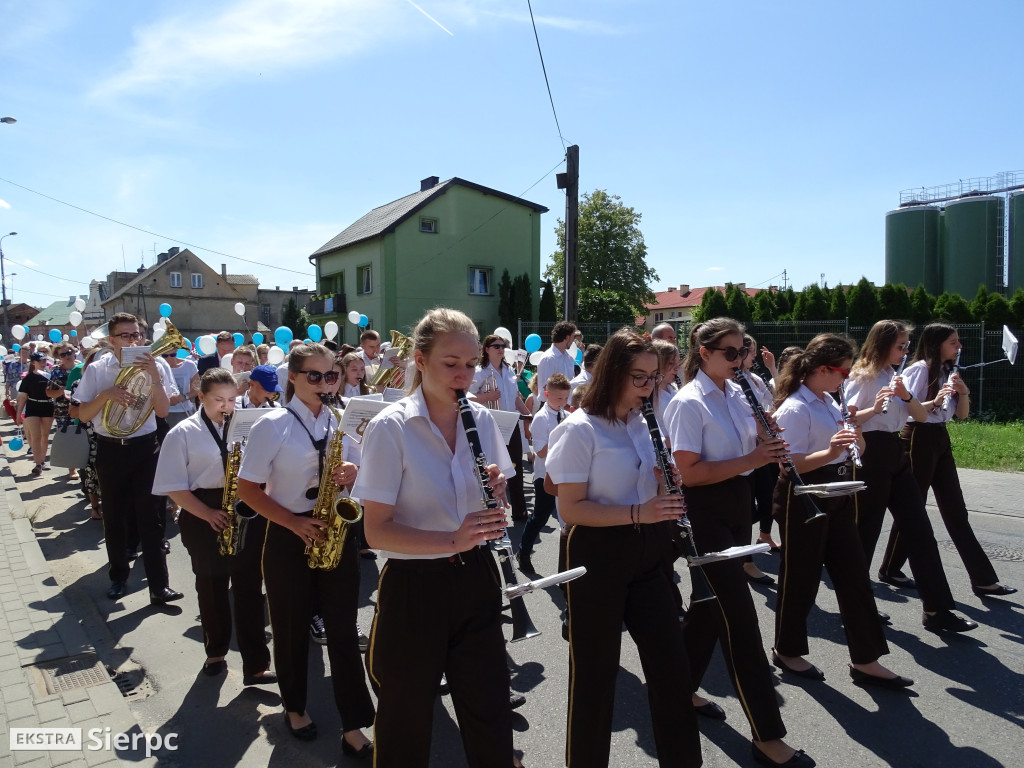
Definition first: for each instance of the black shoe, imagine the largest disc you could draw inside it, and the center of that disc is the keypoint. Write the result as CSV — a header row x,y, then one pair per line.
x,y
164,595
362,753
305,733
811,673
264,678
764,578
898,580
317,631
165,545
884,617
798,760
947,621
516,699
131,554
363,640
999,591
118,589
711,711
366,554
214,668
863,678
525,564
565,630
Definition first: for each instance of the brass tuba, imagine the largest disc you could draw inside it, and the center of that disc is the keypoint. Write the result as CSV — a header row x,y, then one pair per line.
x,y
124,420
394,377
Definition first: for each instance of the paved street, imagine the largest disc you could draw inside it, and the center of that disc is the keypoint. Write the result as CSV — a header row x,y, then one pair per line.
x,y
966,708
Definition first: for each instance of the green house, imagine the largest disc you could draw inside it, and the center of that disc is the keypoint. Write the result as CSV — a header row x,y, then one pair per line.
x,y
446,245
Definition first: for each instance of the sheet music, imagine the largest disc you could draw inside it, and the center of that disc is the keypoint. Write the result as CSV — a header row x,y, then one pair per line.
x,y
130,355
389,360
506,421
357,415
241,423
392,395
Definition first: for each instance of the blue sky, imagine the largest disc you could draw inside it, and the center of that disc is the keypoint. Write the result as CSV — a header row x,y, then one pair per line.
x,y
752,136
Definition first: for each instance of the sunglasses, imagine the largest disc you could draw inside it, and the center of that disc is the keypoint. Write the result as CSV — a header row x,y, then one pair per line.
x,y
67,353
498,346
844,371
642,379
173,354
731,353
314,377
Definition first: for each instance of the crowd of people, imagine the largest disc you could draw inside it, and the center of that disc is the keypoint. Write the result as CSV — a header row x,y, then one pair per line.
x,y
630,501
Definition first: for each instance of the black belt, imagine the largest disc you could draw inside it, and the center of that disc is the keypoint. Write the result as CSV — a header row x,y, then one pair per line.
x,y
126,440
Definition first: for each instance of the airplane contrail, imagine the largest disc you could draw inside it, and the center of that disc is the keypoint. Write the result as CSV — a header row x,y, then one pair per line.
x,y
442,26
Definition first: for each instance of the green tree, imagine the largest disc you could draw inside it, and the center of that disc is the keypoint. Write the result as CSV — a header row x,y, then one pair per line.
x,y
979,304
295,318
862,302
997,311
764,307
810,304
837,308
548,310
785,300
522,298
738,303
611,253
920,305
1017,306
894,302
506,308
712,305
952,308
597,306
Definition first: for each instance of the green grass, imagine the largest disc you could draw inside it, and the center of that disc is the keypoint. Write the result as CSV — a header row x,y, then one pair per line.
x,y
977,445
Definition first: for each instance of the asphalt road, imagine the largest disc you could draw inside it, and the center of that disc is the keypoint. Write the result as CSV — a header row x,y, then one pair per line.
x,y
965,709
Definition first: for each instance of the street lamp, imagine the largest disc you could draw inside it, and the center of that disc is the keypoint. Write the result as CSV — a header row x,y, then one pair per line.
x,y
3,287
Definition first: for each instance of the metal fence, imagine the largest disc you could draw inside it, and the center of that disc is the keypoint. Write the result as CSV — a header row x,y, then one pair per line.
x,y
997,388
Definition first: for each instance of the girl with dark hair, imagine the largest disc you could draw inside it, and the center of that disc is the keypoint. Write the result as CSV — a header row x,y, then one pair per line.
x,y
603,463
715,443
35,409
883,404
819,447
930,380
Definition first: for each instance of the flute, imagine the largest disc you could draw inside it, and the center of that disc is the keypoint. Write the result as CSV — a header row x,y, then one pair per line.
x,y
848,424
885,405
956,365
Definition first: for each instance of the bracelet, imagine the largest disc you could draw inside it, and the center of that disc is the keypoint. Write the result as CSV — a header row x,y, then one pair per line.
x,y
908,399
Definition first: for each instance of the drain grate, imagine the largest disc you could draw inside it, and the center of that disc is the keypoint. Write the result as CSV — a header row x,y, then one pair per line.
x,y
68,674
133,684
994,552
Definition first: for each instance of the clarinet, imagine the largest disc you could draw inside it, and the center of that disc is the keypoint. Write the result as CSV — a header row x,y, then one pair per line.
x,y
701,586
885,405
787,462
847,424
956,365
522,626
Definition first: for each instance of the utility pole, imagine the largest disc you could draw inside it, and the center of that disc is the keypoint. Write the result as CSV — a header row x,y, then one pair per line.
x,y
3,290
570,182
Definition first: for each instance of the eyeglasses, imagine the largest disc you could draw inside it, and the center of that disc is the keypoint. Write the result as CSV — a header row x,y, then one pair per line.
x,y
498,346
844,371
642,379
904,346
314,377
129,336
67,353
731,353
172,354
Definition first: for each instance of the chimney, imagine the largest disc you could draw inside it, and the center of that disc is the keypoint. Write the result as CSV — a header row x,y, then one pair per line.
x,y
224,271
742,286
173,251
71,300
295,289
684,289
429,183
277,287
671,289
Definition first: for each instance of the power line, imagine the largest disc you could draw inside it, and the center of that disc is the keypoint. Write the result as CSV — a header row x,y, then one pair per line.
x,y
545,71
37,293
154,234
57,277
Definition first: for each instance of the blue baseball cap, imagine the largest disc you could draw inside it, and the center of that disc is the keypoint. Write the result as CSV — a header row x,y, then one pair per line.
x,y
266,377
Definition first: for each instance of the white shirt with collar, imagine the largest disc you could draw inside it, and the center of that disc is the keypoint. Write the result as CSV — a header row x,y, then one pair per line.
x,y
915,379
189,458
282,381
862,391
544,423
810,422
100,375
584,377
552,361
703,419
506,382
407,464
279,453
243,401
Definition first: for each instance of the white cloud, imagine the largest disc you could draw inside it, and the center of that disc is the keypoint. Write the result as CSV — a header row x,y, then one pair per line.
x,y
4,204
29,263
715,269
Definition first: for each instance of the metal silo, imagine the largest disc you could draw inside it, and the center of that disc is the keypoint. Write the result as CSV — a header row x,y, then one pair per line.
x,y
912,247
971,245
1016,250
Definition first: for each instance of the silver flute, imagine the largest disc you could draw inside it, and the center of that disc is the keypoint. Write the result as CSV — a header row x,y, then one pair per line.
x,y
903,363
956,366
848,424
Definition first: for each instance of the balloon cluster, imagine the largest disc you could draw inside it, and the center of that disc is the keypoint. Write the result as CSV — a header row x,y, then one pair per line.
x,y
357,319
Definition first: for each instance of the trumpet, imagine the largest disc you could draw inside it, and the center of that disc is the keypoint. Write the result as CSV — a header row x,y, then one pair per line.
x,y
956,365
701,586
848,424
903,363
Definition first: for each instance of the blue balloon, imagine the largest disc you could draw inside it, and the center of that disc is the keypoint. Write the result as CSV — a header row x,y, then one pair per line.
x,y
257,338
533,343
283,336
73,333
15,347
363,321
55,335
182,353
238,338
16,444
315,332
306,341
165,310
579,357
187,342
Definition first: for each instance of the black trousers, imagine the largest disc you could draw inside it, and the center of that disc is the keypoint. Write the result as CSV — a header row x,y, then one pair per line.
x,y
543,506
720,516
626,582
289,581
762,481
439,616
515,489
126,470
215,573
890,483
830,541
931,460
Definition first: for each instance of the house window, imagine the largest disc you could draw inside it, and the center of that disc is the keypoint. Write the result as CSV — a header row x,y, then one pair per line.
x,y
175,279
659,316
265,314
197,280
364,277
429,226
479,281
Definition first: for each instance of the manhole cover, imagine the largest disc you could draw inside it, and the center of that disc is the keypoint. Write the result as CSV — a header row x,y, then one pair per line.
x,y
133,684
994,552
69,673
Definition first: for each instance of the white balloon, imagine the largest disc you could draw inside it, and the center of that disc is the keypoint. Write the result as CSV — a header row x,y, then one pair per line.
x,y
239,308
207,345
275,356
18,332
79,304
510,355
573,349
3,351
88,342
504,333
353,317
75,318
66,337
39,337
225,362
158,331
330,329
535,357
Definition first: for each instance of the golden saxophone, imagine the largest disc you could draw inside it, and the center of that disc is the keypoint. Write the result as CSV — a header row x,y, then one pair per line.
x,y
337,511
231,539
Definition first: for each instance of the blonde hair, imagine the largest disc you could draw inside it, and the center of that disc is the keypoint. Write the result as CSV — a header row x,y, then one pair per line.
x,y
345,361
435,323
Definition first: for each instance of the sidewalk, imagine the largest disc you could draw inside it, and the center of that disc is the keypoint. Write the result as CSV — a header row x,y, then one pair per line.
x,y
50,675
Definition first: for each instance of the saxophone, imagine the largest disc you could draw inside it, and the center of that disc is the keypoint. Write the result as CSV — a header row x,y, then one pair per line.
x,y
337,511
231,540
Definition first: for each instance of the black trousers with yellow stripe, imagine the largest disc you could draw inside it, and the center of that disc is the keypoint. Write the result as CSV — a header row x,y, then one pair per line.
x,y
626,583
830,541
434,616
290,581
720,516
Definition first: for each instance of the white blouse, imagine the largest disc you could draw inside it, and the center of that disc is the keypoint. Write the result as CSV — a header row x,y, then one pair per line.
x,y
544,422
862,391
189,458
915,379
810,422
717,425
506,383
